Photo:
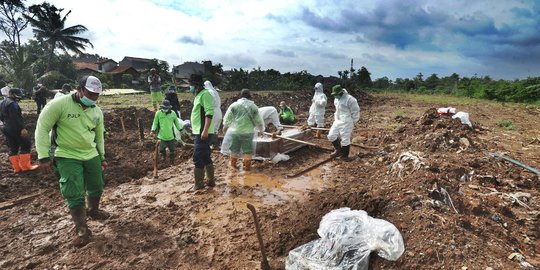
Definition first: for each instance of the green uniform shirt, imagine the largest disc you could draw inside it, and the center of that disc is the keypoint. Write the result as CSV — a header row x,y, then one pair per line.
x,y
203,106
79,132
165,122
286,113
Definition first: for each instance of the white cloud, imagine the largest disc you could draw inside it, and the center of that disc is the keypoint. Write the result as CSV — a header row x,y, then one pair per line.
x,y
272,34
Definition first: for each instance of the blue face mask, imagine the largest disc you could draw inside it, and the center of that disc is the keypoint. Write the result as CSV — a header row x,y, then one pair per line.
x,y
192,89
87,102
339,96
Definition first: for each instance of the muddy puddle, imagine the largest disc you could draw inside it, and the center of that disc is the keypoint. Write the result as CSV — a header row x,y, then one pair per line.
x,y
234,190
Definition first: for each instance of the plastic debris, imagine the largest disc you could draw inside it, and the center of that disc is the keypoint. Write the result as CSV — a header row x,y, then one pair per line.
x,y
347,238
463,117
448,110
280,157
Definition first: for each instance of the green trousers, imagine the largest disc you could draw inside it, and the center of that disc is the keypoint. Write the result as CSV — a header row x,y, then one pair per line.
x,y
163,145
79,178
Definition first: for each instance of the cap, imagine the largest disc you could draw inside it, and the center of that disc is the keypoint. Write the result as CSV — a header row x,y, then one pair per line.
x,y
91,84
336,90
17,92
245,93
172,88
166,104
196,79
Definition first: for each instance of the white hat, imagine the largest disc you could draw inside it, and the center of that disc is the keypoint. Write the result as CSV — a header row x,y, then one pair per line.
x,y
91,84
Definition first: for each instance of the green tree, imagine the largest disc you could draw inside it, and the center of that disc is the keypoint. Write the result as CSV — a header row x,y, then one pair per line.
x,y
432,82
127,79
382,83
49,27
15,61
364,78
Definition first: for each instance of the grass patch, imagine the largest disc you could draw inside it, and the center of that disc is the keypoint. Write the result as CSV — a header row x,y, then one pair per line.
x,y
399,113
506,124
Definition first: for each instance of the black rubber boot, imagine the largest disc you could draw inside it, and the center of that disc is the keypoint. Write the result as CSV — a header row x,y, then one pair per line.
x,y
93,209
81,230
337,146
199,178
210,175
345,153
171,157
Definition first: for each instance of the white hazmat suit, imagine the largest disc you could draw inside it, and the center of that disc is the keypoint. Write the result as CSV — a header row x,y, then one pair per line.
x,y
347,113
269,115
218,115
318,106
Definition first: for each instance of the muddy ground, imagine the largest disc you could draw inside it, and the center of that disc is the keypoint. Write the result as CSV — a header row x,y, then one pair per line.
x,y
489,221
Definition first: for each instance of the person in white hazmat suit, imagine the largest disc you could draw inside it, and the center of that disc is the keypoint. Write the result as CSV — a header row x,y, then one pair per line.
x,y
317,109
241,124
269,114
347,113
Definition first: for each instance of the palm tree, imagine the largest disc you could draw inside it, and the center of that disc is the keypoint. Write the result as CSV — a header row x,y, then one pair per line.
x,y
49,28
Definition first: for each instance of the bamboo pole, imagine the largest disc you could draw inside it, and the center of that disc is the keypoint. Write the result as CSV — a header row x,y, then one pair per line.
x,y
141,128
314,128
156,156
122,122
293,175
290,139
364,146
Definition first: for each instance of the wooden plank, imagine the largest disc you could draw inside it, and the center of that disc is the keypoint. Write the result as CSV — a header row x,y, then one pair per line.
x,y
9,204
293,175
290,139
300,127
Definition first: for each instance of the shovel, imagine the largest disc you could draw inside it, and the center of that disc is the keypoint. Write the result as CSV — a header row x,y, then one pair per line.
x,y
264,261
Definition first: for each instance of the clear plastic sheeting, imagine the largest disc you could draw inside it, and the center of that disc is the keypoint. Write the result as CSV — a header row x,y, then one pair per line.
x,y
347,238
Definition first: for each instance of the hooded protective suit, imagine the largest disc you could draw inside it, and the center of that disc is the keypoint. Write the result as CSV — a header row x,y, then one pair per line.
x,y
218,115
242,121
269,115
318,106
347,113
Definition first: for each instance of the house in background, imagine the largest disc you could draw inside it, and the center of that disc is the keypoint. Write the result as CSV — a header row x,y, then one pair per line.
x,y
183,71
84,68
107,67
139,64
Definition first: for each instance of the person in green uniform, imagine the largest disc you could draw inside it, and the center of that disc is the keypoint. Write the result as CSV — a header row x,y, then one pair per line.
x,y
79,158
154,82
286,114
203,132
164,122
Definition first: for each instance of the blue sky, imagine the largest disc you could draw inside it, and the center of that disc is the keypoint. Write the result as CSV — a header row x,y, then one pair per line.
x,y
393,38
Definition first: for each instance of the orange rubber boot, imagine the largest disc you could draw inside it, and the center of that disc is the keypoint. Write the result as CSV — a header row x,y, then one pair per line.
x,y
24,161
15,163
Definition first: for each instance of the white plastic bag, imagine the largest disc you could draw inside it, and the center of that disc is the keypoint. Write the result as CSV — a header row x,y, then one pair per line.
x,y
280,157
446,110
464,117
347,238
